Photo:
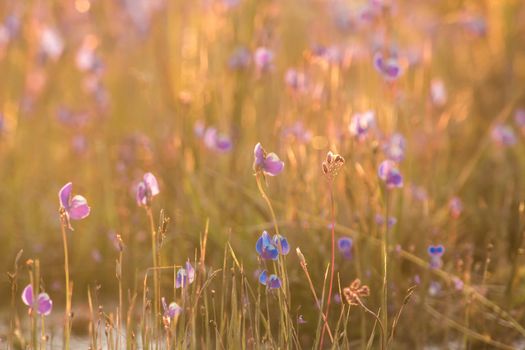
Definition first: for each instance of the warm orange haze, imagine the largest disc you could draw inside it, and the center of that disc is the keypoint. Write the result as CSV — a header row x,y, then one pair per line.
x,y
262,174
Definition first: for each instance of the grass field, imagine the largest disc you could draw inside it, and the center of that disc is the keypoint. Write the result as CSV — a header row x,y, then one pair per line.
x,y
262,174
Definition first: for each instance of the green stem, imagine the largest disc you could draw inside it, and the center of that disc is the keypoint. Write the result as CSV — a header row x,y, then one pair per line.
x,y
384,300
67,324
156,293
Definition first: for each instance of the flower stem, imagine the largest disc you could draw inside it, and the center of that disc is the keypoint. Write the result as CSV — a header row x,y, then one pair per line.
x,y
332,263
156,293
67,323
384,299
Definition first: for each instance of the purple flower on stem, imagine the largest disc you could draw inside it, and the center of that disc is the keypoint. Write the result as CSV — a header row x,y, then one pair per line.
x,y
345,245
43,304
266,247
395,147
503,135
171,310
74,207
185,276
388,171
389,68
147,189
216,141
263,59
361,124
436,252
271,282
268,163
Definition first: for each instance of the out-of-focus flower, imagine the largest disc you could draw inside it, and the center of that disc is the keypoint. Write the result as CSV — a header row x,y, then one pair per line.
x,y
185,276
395,147
43,304
295,80
519,118
51,43
389,68
361,124
419,193
503,135
298,132
438,92
171,310
345,244
388,171
436,252
263,59
267,163
455,207
271,282
380,220
240,59
216,141
74,207
146,190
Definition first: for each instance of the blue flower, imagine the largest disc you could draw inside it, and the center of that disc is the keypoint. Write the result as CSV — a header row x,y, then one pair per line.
x,y
185,276
345,246
271,282
282,244
266,248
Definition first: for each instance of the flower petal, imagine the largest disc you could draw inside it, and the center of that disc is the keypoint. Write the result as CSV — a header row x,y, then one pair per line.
x,y
263,277
274,282
79,208
45,304
151,184
27,295
65,194
273,165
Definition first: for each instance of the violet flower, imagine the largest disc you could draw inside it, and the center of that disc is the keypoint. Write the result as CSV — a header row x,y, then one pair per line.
x,y
266,247
436,252
74,207
345,245
146,190
171,310
267,163
263,59
503,135
271,282
389,68
185,276
240,59
361,124
388,171
43,303
216,141
395,147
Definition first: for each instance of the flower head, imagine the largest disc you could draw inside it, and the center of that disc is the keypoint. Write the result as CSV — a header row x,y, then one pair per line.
x,y
361,124
147,189
171,310
503,135
43,304
436,252
281,243
267,163
73,207
355,292
271,282
345,245
240,59
295,80
216,141
263,59
185,276
266,247
389,68
388,171
395,147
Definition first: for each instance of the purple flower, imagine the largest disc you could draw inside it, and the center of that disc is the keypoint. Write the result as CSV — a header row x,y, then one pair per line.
x,y
263,59
271,282
380,220
281,243
74,207
298,132
361,124
185,276
146,190
436,252
295,79
217,142
266,247
456,207
171,310
389,68
240,59
268,163
388,171
503,135
519,118
395,147
43,303
344,244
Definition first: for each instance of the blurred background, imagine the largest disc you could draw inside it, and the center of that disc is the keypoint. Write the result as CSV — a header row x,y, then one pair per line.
x,y
100,92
